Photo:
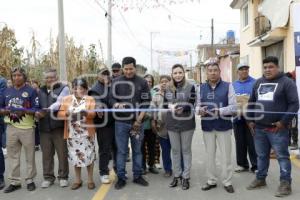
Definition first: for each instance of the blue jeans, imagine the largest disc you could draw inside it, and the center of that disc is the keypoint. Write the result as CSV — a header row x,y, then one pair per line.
x,y
122,135
166,153
2,164
264,141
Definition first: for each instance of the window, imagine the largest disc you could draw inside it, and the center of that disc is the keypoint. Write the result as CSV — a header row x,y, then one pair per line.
x,y
276,50
245,15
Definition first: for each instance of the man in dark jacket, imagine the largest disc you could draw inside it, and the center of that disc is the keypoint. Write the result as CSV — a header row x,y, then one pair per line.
x,y
129,91
2,131
116,69
104,123
52,130
274,92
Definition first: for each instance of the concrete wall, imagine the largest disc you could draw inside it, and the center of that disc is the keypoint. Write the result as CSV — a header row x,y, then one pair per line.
x,y
247,34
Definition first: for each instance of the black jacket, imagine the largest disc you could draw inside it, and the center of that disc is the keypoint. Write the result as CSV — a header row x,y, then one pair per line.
x,y
49,123
277,95
133,92
100,92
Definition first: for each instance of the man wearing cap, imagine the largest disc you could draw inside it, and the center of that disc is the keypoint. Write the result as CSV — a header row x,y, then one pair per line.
x,y
104,122
243,137
116,70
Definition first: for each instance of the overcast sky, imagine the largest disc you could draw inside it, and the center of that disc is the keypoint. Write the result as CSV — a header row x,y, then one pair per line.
x,y
180,27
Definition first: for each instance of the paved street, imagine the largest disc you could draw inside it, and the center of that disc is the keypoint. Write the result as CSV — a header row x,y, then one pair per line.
x,y
158,188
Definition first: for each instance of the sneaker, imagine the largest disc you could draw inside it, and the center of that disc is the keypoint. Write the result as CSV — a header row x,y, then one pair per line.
x,y
105,179
284,189
120,184
158,166
294,146
63,183
240,169
46,184
12,188
141,181
31,186
257,184
4,152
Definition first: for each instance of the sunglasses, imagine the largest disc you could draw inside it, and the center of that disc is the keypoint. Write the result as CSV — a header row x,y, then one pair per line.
x,y
115,70
106,73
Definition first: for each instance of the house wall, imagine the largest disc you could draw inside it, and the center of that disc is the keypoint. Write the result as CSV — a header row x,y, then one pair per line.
x,y
256,54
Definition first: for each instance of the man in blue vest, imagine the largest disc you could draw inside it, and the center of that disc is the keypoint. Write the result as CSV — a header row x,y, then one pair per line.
x,y
275,93
243,137
52,130
217,104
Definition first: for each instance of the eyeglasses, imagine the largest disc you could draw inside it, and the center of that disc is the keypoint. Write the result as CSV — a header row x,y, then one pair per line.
x,y
115,70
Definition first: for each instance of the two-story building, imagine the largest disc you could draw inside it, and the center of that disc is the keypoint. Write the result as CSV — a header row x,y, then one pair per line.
x,y
266,30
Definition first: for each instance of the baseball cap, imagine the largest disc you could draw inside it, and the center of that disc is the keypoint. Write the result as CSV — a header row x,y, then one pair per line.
x,y
242,65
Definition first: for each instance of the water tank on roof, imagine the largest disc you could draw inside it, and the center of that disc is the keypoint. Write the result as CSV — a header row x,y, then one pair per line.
x,y
230,36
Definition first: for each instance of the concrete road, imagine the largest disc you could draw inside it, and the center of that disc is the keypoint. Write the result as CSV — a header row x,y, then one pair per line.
x,y
158,188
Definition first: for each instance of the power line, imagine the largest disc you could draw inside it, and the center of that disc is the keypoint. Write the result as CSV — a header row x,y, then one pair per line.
x,y
131,32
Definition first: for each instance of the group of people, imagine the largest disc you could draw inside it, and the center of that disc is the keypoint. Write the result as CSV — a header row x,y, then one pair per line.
x,y
125,106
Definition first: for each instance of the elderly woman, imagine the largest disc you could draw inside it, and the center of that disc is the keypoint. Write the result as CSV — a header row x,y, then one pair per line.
x,y
159,122
76,110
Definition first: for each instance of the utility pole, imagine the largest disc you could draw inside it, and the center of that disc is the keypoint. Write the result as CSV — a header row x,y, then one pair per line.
x,y
61,42
212,37
151,49
109,35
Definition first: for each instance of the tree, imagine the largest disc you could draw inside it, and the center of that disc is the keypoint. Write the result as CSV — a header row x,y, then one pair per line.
x,y
10,54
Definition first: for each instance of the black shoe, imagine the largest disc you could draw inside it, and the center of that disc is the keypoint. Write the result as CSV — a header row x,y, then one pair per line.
x,y
37,148
120,184
185,184
115,169
12,188
229,189
175,181
208,187
153,170
31,186
141,181
2,183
